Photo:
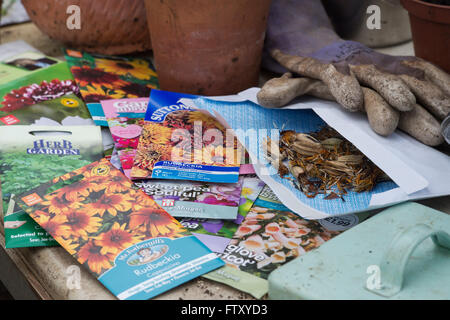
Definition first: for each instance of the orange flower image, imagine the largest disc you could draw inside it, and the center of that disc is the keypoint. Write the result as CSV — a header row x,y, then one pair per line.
x,y
58,203
55,226
96,261
116,239
110,203
118,183
155,222
81,223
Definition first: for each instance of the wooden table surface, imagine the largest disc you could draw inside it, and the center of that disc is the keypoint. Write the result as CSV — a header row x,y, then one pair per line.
x,y
40,273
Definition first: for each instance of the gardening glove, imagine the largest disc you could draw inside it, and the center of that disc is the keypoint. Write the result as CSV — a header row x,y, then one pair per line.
x,y
301,39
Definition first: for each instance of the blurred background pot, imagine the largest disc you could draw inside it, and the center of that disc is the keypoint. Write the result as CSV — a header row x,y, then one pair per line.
x,y
430,25
208,47
349,17
107,26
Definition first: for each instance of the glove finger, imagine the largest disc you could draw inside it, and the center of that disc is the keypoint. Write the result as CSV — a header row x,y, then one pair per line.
x,y
389,86
421,125
429,96
432,73
383,118
280,91
344,88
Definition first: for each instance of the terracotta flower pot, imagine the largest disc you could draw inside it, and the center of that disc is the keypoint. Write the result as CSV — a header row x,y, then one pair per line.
x,y
107,26
430,26
208,47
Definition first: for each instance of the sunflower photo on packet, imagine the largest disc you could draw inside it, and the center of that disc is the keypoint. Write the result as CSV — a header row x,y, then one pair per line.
x,y
182,142
129,243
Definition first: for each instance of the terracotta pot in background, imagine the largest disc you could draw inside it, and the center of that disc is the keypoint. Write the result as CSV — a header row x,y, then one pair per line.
x,y
430,26
208,47
107,26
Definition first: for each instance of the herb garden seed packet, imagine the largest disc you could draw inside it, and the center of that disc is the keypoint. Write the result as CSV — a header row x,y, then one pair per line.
x,y
128,242
217,233
181,142
32,155
270,236
192,199
102,77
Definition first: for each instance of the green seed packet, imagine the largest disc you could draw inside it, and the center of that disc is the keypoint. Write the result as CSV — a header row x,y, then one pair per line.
x,y
32,155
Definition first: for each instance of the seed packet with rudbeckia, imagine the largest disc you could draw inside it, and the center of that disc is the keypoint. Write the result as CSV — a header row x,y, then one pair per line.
x,y
181,142
217,233
102,77
128,242
31,155
270,236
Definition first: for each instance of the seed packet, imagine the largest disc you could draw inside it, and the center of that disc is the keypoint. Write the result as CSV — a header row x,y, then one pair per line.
x,y
49,92
31,155
194,199
103,77
217,233
269,237
68,110
125,118
181,142
128,242
18,60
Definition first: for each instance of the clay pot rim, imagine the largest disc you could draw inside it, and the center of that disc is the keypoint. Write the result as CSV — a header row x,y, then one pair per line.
x,y
428,11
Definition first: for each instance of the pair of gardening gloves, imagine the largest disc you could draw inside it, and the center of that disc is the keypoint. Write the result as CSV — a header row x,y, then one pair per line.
x,y
402,92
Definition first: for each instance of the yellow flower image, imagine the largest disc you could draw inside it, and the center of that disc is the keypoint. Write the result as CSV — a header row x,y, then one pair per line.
x,y
155,223
137,68
55,226
206,120
58,203
109,203
96,261
116,239
155,133
95,93
81,223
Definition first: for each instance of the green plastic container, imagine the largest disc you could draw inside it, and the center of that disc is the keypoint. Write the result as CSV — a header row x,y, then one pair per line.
x,y
401,253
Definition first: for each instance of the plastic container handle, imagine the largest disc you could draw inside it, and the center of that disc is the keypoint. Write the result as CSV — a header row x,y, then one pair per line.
x,y
394,261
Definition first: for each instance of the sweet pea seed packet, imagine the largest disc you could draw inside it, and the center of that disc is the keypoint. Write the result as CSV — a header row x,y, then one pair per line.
x,y
181,142
269,237
192,199
32,155
102,77
217,233
128,242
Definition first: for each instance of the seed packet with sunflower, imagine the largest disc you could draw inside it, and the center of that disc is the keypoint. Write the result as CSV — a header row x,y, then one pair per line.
x,y
181,142
31,155
102,77
270,236
123,237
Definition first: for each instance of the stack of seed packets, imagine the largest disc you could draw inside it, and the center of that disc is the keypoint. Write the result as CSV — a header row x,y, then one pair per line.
x,y
211,210
270,236
123,237
32,155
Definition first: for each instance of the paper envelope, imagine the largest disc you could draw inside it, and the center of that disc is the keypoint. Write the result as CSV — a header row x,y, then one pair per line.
x,y
417,171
